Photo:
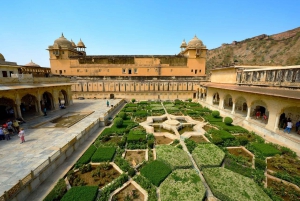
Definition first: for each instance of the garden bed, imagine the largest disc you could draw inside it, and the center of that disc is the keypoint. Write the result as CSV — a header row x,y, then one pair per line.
x,y
227,185
241,152
283,189
208,155
173,156
186,128
160,129
198,139
183,184
135,157
162,140
130,192
99,175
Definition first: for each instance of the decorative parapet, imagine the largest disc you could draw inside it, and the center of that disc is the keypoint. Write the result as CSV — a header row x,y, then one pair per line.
x,y
277,76
28,78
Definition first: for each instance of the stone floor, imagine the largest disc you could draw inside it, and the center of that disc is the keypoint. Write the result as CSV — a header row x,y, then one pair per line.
x,y
17,160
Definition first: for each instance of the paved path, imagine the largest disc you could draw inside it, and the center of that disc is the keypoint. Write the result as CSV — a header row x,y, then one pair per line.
x,y
17,160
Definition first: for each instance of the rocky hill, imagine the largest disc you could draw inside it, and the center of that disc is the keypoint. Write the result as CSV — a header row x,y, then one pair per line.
x,y
271,50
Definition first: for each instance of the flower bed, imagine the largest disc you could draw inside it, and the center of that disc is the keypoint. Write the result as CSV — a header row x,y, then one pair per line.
x,y
156,172
175,157
182,184
208,155
103,154
227,185
79,193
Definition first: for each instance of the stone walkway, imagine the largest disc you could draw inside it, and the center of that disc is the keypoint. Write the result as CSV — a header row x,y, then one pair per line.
x,y
17,160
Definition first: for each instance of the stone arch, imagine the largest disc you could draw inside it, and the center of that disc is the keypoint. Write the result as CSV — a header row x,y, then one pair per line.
x,y
216,99
290,112
29,105
228,102
63,97
47,101
241,105
258,109
7,109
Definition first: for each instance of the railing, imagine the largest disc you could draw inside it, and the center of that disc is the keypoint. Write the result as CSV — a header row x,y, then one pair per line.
x,y
27,180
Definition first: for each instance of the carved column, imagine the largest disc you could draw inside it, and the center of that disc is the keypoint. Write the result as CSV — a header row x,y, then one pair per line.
x,y
276,123
248,112
55,99
233,108
39,107
18,104
221,103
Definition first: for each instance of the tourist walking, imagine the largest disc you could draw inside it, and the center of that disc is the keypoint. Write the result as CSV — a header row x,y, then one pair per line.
x,y
22,135
2,136
107,103
289,126
16,126
45,111
297,126
10,126
6,133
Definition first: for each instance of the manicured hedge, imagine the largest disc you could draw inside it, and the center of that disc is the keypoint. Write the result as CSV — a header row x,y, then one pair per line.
x,y
103,154
156,172
224,135
211,119
136,135
86,157
57,192
141,113
231,128
130,105
79,193
148,186
108,189
265,149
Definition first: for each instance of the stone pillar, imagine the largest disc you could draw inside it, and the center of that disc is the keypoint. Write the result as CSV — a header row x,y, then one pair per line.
x,y
248,112
233,108
18,104
276,122
221,104
55,99
39,107
15,111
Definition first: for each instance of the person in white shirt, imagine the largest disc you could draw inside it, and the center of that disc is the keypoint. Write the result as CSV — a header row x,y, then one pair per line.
x,y
289,126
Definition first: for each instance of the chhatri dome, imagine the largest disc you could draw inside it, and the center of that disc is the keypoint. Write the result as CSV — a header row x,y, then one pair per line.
x,y
80,44
73,44
183,44
2,57
63,42
32,64
195,43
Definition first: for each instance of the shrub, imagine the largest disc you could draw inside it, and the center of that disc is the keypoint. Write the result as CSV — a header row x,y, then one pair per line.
x,y
122,163
156,172
118,122
215,113
141,113
133,100
57,192
76,193
228,120
230,128
122,115
213,119
260,164
150,144
224,135
190,100
190,144
86,157
104,154
131,172
243,140
148,186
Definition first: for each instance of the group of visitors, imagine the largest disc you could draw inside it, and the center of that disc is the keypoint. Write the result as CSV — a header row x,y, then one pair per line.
x,y
259,115
11,128
287,124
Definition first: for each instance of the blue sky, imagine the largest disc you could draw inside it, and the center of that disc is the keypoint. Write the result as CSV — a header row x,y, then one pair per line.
x,y
127,27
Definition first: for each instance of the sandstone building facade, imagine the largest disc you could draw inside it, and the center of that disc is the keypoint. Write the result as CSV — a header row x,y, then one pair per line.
x,y
130,76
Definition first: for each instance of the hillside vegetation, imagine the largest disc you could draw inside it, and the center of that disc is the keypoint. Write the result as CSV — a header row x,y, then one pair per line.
x,y
278,49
